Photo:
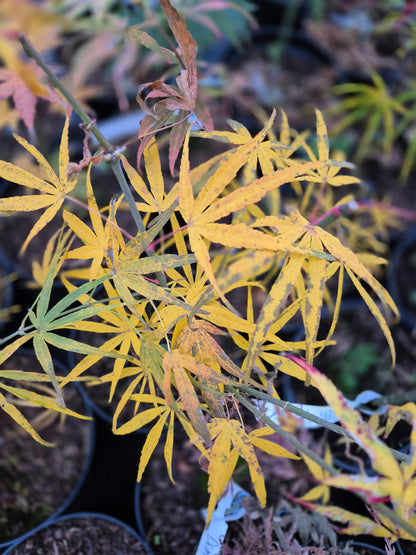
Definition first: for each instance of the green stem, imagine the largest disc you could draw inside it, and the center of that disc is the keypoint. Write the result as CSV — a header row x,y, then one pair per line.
x,y
294,409
118,172
311,417
345,209
285,435
396,398
395,518
17,333
85,118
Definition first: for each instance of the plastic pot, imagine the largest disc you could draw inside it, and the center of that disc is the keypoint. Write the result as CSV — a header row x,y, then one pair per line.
x,y
82,533
137,511
6,289
401,280
28,499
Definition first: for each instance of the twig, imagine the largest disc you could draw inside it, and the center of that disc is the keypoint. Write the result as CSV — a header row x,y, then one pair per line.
x,y
286,435
112,153
311,417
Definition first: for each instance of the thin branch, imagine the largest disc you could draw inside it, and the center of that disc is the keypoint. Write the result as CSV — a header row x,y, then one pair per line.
x,y
112,157
90,123
285,435
311,417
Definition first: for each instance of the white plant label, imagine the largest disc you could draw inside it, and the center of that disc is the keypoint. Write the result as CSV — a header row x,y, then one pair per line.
x,y
322,411
230,507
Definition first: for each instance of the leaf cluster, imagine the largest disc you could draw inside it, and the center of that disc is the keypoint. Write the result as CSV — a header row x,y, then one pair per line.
x,y
173,305
393,482
385,117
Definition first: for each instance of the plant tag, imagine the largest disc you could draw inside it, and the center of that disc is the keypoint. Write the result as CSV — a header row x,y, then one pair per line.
x,y
322,411
230,507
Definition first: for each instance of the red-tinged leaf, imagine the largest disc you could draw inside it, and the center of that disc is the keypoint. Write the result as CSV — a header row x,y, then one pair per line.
x,y
203,115
177,102
19,68
374,489
187,82
22,81
177,137
382,458
154,121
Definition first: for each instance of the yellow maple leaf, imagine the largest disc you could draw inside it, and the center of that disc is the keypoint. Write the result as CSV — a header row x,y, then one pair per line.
x,y
230,442
96,239
202,213
393,482
53,190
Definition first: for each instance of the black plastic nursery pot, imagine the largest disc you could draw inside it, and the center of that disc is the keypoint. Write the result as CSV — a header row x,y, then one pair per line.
x,y
38,483
6,290
402,278
93,533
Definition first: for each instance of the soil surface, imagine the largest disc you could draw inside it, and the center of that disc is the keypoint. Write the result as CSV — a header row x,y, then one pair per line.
x,y
171,513
34,479
82,536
